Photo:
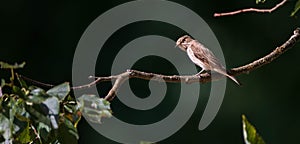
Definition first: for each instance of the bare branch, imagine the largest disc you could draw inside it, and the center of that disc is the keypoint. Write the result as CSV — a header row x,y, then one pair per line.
x,y
156,77
36,133
204,77
270,57
35,81
251,10
98,80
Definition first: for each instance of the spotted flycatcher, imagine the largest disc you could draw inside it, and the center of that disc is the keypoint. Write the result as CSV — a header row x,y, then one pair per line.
x,y
202,56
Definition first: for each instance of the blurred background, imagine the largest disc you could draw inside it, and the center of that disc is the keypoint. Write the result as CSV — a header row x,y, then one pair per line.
x,y
45,34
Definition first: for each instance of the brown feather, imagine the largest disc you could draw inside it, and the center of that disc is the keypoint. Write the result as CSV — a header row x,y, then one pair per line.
x,y
208,61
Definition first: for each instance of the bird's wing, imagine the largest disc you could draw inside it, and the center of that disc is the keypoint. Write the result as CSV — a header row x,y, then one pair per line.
x,y
211,61
198,53
204,54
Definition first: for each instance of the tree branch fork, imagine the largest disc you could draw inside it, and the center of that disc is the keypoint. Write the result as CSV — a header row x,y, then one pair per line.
x,y
204,77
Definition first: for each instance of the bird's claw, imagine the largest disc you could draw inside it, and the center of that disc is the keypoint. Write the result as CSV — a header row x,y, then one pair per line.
x,y
198,75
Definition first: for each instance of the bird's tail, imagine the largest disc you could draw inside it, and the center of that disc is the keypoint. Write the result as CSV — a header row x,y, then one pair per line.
x,y
228,74
234,79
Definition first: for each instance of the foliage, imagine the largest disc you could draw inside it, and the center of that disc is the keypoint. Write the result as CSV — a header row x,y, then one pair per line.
x,y
30,114
297,7
250,134
94,108
260,1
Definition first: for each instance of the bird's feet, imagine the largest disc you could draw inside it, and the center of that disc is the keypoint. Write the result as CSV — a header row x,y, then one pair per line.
x,y
198,75
201,72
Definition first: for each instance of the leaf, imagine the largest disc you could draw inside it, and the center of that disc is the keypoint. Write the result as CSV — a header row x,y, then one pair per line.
x,y
94,108
60,91
260,1
16,90
5,127
37,96
43,130
25,136
36,114
67,132
3,82
52,105
21,81
297,7
2,85
13,103
72,112
250,134
4,65
19,112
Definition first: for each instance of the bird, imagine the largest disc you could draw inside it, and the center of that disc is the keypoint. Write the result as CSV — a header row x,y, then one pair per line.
x,y
202,57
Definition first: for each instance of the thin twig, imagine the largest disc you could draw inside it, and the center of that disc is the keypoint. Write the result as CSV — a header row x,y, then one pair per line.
x,y
36,133
98,80
251,10
35,81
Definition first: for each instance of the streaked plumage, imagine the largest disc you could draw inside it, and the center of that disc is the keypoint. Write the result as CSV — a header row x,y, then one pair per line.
x,y
202,56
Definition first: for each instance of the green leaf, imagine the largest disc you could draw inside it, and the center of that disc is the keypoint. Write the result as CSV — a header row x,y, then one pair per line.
x,y
5,130
37,96
72,112
250,134
297,7
16,90
17,110
67,133
25,136
1,86
52,104
4,65
21,81
43,130
260,1
94,108
36,114
60,91
13,103
3,82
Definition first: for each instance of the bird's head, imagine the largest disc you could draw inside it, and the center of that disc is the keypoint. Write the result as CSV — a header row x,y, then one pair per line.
x,y
183,42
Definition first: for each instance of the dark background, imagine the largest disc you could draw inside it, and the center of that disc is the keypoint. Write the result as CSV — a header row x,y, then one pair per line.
x,y
45,35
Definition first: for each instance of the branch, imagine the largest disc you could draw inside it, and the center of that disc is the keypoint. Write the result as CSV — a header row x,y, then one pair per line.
x,y
204,77
251,10
270,57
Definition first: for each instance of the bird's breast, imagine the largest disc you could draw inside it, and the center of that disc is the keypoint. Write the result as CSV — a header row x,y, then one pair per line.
x,y
195,60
